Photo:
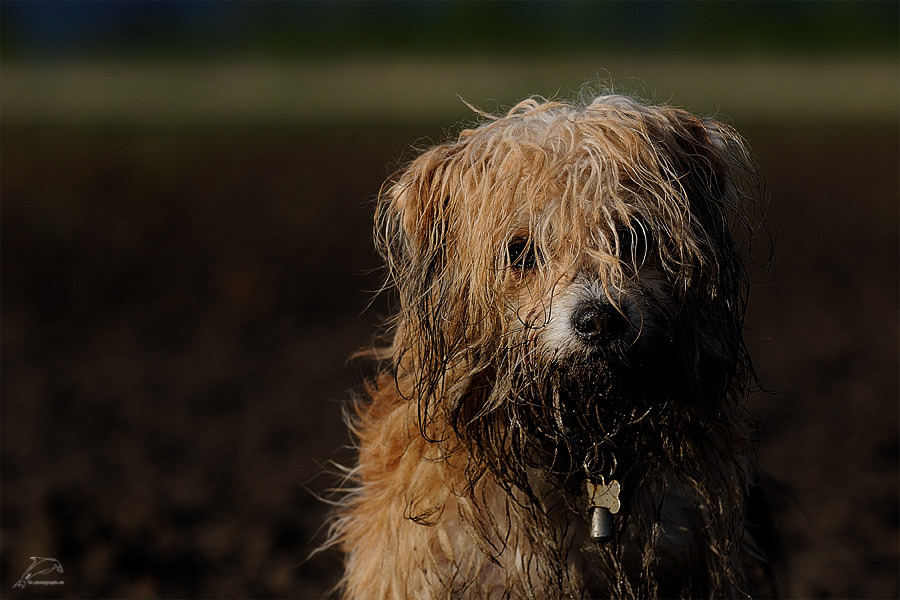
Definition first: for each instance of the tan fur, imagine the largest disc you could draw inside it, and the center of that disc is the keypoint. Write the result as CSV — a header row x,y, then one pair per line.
x,y
499,396
413,530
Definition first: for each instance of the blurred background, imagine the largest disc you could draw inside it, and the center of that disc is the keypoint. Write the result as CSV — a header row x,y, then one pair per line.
x,y
186,193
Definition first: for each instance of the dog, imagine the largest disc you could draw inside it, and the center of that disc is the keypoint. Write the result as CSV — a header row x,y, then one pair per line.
x,y
560,407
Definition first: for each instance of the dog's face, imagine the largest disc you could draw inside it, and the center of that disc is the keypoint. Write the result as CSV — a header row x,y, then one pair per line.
x,y
592,309
563,273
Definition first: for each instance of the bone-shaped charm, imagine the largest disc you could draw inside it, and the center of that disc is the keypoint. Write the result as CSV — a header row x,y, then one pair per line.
x,y
604,495
603,503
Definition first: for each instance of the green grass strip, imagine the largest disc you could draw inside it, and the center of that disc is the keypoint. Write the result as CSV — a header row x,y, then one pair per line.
x,y
412,91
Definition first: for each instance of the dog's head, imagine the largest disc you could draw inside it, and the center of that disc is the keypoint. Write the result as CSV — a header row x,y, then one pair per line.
x,y
566,273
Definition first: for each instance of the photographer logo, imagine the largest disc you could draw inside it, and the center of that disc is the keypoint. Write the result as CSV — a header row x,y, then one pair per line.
x,y
40,572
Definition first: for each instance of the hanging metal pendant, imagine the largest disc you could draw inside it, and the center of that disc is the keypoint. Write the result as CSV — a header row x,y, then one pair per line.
x,y
602,504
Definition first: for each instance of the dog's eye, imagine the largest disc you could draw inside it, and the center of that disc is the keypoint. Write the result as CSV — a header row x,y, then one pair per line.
x,y
634,242
522,254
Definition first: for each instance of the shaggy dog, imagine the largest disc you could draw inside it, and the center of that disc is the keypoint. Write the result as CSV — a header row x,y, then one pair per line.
x,y
560,409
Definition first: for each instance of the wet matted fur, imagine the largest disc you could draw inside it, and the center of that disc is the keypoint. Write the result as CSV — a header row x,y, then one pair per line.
x,y
571,289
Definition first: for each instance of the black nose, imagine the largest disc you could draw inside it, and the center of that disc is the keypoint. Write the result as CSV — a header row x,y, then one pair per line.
x,y
598,323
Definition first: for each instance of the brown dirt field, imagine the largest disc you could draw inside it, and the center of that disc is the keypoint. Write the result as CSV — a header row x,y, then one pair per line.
x,y
178,310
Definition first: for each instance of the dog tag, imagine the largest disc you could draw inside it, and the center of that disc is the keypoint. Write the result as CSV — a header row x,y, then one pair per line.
x,y
603,503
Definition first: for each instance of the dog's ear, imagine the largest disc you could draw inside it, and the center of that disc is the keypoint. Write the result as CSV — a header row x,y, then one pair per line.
x,y
723,191
721,186
413,208
708,156
415,218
